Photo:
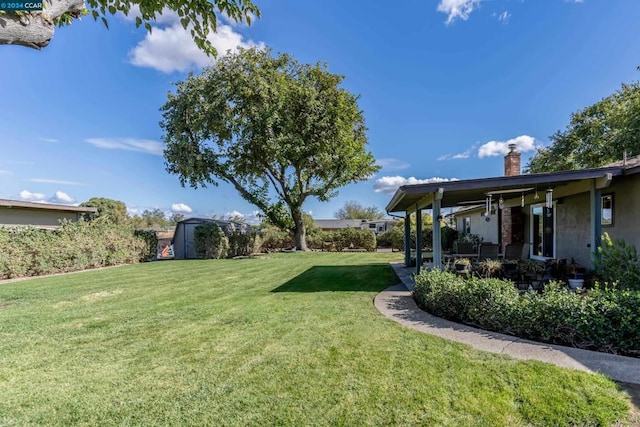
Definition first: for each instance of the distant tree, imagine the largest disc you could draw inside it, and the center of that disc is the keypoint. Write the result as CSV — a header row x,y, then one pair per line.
x,y
596,135
277,130
151,218
35,28
114,210
175,218
354,210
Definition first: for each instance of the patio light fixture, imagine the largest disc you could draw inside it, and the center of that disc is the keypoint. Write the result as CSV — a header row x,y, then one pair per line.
x,y
501,203
549,198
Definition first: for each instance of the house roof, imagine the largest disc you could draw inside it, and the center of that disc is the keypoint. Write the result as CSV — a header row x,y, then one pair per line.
x,y
339,223
408,198
45,206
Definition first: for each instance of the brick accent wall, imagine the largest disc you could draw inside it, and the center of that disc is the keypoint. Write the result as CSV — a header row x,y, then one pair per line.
x,y
506,227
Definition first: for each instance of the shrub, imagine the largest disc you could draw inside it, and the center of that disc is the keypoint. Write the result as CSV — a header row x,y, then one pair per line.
x,y
354,238
618,262
603,319
28,251
241,243
273,239
151,240
211,242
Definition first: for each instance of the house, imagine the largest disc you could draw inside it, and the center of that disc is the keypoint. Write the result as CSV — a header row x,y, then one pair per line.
x,y
378,226
559,215
14,213
184,246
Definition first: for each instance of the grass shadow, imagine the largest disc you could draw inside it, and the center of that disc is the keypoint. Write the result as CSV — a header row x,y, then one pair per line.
x,y
337,278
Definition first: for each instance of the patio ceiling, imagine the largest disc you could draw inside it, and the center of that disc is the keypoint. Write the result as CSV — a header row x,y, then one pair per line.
x,y
408,198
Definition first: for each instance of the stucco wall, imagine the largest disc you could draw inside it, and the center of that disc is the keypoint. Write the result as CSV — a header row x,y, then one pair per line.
x,y
573,222
479,225
626,210
21,216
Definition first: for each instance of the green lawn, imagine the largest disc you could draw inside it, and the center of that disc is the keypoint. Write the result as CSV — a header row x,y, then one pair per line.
x,y
288,339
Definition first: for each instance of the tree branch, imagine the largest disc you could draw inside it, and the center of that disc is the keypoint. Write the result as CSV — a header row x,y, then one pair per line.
x,y
35,29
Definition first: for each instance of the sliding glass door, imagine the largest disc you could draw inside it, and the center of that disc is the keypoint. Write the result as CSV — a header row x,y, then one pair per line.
x,y
542,232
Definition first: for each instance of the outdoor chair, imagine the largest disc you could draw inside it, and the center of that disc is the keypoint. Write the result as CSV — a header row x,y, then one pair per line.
x,y
513,251
464,248
488,251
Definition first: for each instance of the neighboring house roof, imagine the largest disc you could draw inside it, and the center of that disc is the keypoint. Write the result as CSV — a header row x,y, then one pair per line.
x,y
45,206
452,193
339,223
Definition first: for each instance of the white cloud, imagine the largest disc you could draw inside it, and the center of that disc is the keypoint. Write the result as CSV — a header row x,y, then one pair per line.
x,y
148,146
523,143
504,17
457,9
181,208
389,184
59,197
252,218
32,197
54,181
171,48
62,198
458,156
392,164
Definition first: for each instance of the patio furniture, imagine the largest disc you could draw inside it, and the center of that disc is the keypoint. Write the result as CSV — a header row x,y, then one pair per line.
x,y
488,251
513,251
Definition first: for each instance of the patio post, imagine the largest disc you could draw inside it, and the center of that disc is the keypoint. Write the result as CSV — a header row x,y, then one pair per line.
x,y
418,240
437,234
596,225
407,239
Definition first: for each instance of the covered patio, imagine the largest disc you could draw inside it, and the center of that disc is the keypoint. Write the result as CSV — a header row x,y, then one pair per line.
x,y
540,197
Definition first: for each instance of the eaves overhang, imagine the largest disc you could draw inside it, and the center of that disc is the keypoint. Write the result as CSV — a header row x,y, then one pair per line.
x,y
408,198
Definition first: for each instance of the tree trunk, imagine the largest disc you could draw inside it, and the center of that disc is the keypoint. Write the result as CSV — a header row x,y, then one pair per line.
x,y
35,29
299,232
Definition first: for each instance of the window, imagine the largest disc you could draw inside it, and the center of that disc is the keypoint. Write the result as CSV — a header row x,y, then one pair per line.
x,y
372,226
606,206
466,225
542,232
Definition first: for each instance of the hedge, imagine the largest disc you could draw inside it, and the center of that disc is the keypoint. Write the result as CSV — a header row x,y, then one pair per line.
x,y
604,318
28,251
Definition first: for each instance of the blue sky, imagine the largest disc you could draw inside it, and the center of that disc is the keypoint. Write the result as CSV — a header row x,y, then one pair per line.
x,y
444,85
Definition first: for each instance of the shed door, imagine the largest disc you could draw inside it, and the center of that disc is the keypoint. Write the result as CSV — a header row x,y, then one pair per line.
x,y
190,241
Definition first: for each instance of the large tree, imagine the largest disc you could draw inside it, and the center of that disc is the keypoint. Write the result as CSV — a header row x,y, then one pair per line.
x,y
114,210
277,130
354,210
596,135
35,28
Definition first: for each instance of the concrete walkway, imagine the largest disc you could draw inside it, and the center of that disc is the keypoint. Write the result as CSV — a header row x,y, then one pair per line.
x,y
397,304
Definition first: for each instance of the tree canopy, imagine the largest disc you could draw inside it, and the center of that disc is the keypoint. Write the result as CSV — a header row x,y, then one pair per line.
x,y
114,210
277,130
595,136
354,210
35,29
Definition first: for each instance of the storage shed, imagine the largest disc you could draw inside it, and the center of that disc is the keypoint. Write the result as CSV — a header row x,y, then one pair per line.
x,y
184,245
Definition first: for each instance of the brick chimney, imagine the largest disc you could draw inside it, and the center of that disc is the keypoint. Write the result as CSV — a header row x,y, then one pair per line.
x,y
512,162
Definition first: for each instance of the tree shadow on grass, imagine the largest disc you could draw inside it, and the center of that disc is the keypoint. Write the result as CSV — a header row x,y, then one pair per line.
x,y
336,278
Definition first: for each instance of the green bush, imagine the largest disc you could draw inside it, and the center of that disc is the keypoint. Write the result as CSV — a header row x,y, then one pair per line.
x,y
354,238
242,243
211,242
29,251
618,262
274,239
151,240
603,319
